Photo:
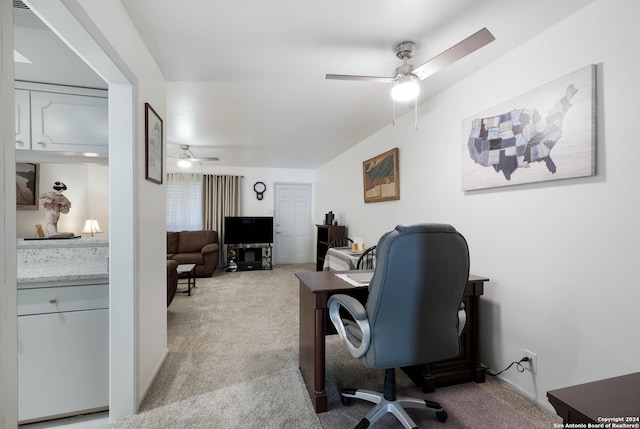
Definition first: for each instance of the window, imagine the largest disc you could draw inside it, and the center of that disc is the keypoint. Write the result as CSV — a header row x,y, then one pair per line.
x,y
184,202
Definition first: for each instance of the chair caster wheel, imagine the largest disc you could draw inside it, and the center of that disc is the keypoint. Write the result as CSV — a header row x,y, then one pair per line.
x,y
345,401
442,416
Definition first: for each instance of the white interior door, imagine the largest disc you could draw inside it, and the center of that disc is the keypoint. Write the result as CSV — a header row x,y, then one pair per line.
x,y
292,224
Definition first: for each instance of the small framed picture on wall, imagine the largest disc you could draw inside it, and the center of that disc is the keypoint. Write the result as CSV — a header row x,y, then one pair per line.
x,y
153,145
380,176
27,185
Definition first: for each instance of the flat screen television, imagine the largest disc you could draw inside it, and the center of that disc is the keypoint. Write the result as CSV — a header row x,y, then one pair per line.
x,y
248,229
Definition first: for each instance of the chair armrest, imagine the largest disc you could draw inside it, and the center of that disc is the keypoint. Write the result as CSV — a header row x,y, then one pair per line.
x,y
211,247
359,315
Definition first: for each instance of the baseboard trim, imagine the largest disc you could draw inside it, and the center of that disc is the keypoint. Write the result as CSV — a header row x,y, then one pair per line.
x,y
143,392
526,395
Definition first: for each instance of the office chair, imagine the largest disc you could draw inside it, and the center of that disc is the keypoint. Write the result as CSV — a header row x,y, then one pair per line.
x,y
413,315
365,261
341,242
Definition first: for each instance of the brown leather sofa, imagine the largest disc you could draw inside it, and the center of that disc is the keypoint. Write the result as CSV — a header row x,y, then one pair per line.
x,y
172,280
194,247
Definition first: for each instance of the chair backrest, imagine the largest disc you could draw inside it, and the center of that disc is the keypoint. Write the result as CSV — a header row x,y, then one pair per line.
x,y
341,242
366,260
415,294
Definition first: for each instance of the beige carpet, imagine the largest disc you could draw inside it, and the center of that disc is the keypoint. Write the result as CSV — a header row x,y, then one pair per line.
x,y
233,363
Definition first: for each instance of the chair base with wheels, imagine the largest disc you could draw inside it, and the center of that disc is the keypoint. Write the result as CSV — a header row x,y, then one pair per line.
x,y
389,402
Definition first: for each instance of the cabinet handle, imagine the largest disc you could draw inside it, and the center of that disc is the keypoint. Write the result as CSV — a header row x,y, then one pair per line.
x,y
53,301
44,140
20,142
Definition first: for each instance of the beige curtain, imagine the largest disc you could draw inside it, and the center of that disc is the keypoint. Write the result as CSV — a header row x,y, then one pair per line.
x,y
221,198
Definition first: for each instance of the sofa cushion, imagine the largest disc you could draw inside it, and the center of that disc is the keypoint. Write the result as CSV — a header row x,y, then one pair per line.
x,y
172,242
194,241
189,258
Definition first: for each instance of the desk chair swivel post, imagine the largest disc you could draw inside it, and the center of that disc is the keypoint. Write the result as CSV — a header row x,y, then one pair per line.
x,y
413,315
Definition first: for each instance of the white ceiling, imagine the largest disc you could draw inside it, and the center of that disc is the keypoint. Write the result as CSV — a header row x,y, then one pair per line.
x,y
246,78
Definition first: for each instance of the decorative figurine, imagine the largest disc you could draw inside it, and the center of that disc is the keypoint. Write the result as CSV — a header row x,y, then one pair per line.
x,y
55,203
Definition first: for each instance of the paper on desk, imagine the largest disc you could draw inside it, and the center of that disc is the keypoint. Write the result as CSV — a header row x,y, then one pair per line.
x,y
355,280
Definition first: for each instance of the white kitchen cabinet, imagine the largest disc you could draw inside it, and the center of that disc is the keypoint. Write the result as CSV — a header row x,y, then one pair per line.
x,y
60,120
69,122
63,350
23,119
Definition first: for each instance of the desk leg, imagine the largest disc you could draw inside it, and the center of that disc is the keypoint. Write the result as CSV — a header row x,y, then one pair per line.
x,y
478,375
312,348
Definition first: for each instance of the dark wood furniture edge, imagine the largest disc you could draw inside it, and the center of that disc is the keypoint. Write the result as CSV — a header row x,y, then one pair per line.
x,y
612,397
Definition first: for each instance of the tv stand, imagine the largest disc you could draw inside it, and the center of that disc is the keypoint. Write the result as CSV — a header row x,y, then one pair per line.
x,y
250,256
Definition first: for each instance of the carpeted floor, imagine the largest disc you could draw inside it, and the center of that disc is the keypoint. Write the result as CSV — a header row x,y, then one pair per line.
x,y
233,363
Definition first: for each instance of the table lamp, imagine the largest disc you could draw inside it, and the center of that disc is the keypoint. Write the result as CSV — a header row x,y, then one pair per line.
x,y
90,227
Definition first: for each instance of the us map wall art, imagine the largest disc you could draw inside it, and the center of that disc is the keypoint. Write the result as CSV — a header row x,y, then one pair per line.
x,y
545,134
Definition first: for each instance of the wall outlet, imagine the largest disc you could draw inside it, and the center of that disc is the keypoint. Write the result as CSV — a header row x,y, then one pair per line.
x,y
532,365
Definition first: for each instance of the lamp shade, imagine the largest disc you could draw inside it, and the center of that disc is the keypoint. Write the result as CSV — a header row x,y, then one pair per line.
x,y
405,88
90,227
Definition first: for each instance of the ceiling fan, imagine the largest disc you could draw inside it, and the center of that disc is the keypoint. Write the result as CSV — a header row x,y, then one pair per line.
x,y
406,77
187,157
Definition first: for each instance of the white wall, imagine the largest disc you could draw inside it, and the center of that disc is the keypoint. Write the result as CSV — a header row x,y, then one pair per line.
x,y
88,191
114,28
251,206
137,220
561,255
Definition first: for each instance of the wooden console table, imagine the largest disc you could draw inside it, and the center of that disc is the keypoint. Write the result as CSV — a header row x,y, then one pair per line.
x,y
613,400
315,290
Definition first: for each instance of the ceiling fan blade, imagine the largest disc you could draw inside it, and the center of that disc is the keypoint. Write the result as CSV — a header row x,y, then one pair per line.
x,y
362,78
454,53
213,158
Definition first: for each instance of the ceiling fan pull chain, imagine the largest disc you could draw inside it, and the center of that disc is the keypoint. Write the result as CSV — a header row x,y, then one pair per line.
x,y
394,112
415,109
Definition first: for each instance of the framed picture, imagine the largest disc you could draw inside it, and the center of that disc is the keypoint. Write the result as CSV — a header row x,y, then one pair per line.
x,y
27,185
548,133
381,179
153,145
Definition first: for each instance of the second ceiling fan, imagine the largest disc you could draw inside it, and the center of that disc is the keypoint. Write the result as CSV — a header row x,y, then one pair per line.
x,y
187,157
406,77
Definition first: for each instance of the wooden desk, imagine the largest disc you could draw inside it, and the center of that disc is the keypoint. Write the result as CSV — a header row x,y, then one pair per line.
x,y
316,288
615,398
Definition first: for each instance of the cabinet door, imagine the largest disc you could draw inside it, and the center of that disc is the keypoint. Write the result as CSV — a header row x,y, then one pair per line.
x,y
63,363
23,120
69,123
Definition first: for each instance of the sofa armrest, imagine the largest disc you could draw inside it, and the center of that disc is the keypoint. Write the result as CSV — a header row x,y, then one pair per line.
x,y
209,248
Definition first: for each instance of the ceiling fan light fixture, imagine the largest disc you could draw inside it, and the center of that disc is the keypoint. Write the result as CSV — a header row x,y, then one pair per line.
x,y
405,88
184,161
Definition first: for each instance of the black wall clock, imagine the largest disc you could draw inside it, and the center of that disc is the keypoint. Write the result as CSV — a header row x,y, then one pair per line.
x,y
259,187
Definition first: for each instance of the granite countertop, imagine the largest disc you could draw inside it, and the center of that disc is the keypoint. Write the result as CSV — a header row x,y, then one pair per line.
x,y
61,243
46,261
57,280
